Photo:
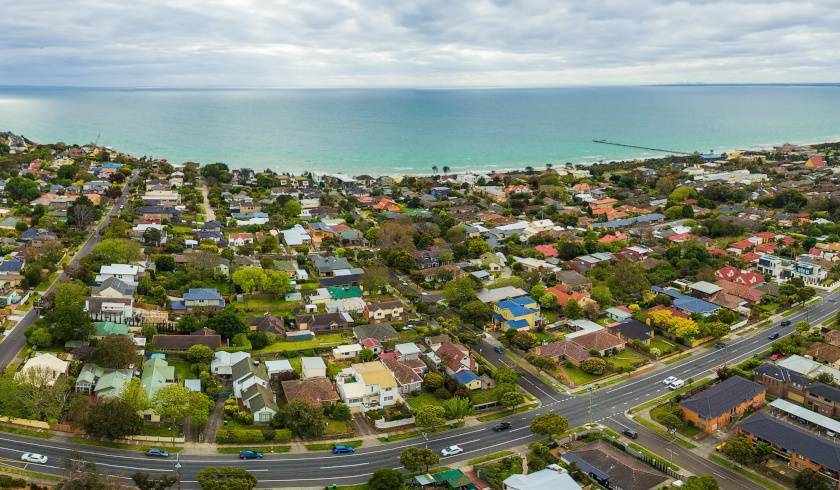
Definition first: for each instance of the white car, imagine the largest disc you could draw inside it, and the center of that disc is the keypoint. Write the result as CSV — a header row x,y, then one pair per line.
x,y
451,451
669,380
34,458
676,384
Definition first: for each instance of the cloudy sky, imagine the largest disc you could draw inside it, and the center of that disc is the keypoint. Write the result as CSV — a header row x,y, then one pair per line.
x,y
416,43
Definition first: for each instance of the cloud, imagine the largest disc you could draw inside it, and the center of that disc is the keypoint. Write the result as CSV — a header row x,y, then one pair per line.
x,y
419,43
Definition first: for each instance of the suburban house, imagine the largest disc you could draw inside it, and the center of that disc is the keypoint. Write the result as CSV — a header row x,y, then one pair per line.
x,y
714,408
260,401
601,340
468,379
800,447
204,336
102,382
383,332
632,329
781,382
129,274
42,370
408,380
368,386
246,373
541,480
522,313
345,352
202,298
384,310
562,351
314,391
324,322
223,361
455,357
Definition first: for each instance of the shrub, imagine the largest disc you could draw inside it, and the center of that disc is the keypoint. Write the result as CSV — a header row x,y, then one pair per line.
x,y
240,436
594,366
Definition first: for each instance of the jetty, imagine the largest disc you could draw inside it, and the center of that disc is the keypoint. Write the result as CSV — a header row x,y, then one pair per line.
x,y
605,142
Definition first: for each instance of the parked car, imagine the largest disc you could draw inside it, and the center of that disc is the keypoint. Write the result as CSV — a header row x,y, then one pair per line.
x,y
157,453
499,349
249,454
501,426
451,451
33,458
785,323
773,336
676,384
632,434
343,449
720,344
669,380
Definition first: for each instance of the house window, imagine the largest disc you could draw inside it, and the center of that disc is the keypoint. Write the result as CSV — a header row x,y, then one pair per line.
x,y
388,398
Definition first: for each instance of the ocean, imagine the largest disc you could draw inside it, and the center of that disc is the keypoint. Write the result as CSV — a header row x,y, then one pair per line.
x,y
400,131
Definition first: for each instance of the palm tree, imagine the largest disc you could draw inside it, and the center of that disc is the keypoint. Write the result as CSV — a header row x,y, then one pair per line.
x,y
434,169
445,170
548,166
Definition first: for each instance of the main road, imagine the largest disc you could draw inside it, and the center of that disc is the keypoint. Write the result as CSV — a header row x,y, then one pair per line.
x,y
607,406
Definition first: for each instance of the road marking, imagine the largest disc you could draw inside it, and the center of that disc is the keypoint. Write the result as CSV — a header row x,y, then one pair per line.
x,y
341,466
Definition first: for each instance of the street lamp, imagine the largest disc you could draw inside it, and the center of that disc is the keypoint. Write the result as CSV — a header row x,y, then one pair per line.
x,y
178,469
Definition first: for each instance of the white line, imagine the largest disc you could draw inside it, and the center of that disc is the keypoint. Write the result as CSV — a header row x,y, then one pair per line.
x,y
341,466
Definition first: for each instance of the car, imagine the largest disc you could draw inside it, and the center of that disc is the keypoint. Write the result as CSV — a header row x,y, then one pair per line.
x,y
501,426
632,434
785,323
676,384
249,454
33,458
451,450
720,345
157,453
499,349
343,449
669,380
773,336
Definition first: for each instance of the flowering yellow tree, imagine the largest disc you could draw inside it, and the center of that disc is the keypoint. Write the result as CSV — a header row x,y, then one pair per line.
x,y
678,326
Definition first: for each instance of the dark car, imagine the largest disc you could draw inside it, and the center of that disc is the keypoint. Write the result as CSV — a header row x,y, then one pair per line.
x,y
499,349
773,336
632,434
501,426
343,450
720,345
248,454
157,453
785,323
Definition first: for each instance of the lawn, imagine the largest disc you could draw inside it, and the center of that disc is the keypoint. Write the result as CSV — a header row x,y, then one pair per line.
x,y
579,378
687,430
325,340
421,400
327,446
663,345
271,304
182,369
627,359
338,427
120,445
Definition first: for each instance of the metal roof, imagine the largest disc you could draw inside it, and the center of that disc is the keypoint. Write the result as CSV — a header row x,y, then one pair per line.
x,y
805,414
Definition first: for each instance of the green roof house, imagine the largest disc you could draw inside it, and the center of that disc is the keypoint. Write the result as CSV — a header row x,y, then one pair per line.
x,y
104,383
157,373
104,329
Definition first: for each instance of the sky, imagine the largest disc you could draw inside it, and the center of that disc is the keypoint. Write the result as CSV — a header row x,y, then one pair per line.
x,y
416,43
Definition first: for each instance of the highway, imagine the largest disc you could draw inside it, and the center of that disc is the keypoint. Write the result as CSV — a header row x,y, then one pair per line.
x,y
318,469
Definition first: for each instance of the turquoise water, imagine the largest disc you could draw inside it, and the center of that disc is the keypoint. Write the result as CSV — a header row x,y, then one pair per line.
x,y
408,131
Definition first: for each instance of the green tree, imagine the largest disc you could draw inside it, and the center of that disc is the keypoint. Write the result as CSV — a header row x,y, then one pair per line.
x,y
457,408
386,479
277,283
19,189
506,375
200,354
430,416
476,313
366,355
415,459
40,337
226,478
177,403
602,295
459,291
145,482
476,247
292,208
573,311
113,418
809,479
67,318
226,322
250,279
628,279
116,251
512,399
375,278
670,420
165,263
433,381
594,366
701,483
135,395
303,419
116,352
549,424
341,412
741,450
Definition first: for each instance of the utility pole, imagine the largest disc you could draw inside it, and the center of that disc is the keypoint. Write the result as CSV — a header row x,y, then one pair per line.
x,y
589,408
178,468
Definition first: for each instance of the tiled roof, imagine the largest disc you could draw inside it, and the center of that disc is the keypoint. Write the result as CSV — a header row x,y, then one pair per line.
x,y
314,391
722,397
793,439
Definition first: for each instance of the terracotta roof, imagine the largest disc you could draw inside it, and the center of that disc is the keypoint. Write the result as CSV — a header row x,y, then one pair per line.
x,y
451,355
565,348
314,391
404,374
740,290
827,352
598,340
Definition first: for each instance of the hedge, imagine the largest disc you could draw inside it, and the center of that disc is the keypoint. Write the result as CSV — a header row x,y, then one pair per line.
x,y
252,436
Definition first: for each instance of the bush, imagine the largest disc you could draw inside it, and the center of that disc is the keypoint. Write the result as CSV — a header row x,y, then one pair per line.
x,y
594,366
9,482
241,436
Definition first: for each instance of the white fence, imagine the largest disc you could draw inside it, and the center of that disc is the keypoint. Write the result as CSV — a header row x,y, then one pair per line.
x,y
382,424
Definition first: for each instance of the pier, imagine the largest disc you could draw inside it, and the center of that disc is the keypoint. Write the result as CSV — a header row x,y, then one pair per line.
x,y
605,142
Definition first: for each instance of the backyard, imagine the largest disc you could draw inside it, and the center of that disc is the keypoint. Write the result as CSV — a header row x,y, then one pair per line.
x,y
324,340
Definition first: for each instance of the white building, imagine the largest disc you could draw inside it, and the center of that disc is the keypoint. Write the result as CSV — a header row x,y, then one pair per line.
x,y
223,362
128,274
313,367
368,386
345,352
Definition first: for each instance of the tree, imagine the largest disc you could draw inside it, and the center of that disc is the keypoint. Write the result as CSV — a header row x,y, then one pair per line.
x,y
802,327
165,263
741,450
506,375
457,408
83,475
573,310
669,420
292,208
116,251
135,395
145,482
594,366
67,317
476,247
152,237
602,295
341,412
459,291
512,399
200,354
303,419
366,355
628,279
375,278
113,418
430,416
277,283
386,479
549,424
433,381
19,188
415,459
476,313
250,279
701,483
40,337
809,479
82,213
226,478
116,352
226,322
524,340
178,403
826,378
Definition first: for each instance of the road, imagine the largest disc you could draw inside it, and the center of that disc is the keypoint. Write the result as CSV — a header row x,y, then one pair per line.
x,y
317,469
14,340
